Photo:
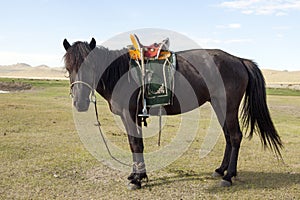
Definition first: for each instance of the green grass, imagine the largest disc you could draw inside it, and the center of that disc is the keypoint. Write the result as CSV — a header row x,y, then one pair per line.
x,y
283,92
42,156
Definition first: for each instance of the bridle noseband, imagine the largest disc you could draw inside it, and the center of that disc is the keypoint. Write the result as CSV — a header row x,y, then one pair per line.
x,y
93,96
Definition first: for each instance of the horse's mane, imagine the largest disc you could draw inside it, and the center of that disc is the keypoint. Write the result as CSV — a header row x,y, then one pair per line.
x,y
109,64
75,55
115,63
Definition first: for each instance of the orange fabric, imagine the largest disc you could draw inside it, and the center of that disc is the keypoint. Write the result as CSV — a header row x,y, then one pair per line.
x,y
134,54
149,51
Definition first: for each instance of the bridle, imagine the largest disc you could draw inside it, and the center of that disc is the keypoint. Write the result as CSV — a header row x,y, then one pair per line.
x,y
93,96
93,100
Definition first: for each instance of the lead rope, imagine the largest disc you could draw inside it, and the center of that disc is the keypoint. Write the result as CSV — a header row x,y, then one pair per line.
x,y
94,100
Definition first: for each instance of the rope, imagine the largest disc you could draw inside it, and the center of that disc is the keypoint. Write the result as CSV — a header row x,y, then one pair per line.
x,y
94,101
102,136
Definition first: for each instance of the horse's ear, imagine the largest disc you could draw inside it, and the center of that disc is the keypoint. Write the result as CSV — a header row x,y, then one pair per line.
x,y
66,44
92,44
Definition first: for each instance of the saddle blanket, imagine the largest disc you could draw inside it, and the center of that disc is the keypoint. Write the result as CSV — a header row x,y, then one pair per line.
x,y
158,80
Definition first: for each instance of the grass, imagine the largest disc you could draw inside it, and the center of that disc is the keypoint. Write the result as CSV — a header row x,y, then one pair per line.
x,y
283,92
42,156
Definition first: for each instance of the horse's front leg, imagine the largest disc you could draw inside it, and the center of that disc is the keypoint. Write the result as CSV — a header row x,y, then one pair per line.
x,y
135,138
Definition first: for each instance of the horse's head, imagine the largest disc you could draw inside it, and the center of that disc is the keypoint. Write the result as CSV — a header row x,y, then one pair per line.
x,y
80,67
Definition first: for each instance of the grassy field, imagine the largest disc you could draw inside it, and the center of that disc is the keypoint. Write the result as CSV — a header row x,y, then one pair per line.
x,y
42,156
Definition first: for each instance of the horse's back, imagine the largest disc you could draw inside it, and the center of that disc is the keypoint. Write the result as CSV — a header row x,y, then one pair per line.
x,y
213,73
234,75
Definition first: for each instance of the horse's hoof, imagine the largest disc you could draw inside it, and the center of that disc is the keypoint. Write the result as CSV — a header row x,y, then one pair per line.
x,y
225,183
131,176
132,186
216,175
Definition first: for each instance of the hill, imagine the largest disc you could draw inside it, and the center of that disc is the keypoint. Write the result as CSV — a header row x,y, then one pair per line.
x,y
282,79
274,78
22,70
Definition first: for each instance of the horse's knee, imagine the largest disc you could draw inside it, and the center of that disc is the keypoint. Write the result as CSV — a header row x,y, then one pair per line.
x,y
136,144
234,132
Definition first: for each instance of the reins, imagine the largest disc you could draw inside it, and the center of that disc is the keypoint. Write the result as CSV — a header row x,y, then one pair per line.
x,y
98,124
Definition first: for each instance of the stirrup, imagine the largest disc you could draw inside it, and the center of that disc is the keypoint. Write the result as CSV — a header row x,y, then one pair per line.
x,y
144,113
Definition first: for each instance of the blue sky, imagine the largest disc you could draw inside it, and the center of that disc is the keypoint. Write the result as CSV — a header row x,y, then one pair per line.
x,y
265,31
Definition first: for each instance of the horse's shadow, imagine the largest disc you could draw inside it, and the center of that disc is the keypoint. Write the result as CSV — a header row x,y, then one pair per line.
x,y
244,180
260,180
166,180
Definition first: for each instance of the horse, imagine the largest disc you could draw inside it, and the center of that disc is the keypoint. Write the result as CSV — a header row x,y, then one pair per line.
x,y
202,75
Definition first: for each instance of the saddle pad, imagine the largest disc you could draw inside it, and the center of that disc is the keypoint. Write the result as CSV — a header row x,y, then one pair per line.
x,y
159,80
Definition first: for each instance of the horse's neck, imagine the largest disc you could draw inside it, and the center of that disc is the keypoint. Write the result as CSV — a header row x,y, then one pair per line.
x,y
112,66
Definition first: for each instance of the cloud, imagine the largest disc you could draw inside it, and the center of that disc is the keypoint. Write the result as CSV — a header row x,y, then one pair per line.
x,y
216,43
231,41
281,14
229,26
281,27
279,35
262,7
238,4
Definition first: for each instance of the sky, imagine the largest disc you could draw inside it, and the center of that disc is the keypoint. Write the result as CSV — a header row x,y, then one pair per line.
x,y
266,31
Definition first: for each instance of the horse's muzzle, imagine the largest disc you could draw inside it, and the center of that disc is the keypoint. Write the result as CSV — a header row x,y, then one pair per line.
x,y
81,106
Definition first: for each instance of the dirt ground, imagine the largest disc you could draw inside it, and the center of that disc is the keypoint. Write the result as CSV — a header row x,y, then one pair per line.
x,y
14,86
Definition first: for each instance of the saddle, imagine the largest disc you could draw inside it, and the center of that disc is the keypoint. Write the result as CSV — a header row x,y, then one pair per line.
x,y
153,69
155,51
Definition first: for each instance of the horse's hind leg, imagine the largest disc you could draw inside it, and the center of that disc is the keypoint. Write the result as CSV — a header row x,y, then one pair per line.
x,y
233,137
226,158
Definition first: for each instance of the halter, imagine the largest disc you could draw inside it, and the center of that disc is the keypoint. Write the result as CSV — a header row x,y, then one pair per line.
x,y
93,96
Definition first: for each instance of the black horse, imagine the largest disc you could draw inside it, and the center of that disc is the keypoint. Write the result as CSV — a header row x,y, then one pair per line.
x,y
202,75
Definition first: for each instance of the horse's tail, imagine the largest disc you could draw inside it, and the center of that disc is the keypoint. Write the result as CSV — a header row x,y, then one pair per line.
x,y
255,112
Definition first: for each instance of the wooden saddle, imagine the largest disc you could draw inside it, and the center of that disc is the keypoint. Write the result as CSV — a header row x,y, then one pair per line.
x,y
155,51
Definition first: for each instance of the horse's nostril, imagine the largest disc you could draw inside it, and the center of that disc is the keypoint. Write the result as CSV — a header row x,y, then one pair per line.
x,y
81,106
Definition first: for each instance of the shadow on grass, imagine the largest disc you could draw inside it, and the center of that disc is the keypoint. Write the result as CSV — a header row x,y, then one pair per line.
x,y
180,177
244,181
259,181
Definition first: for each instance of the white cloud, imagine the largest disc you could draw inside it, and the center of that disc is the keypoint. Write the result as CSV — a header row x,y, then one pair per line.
x,y
262,7
247,12
229,26
216,43
281,14
281,28
208,42
238,4
231,41
279,35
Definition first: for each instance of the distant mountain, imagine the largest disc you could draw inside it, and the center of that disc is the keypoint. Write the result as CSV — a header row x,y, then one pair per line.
x,y
42,67
276,76
23,70
15,67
